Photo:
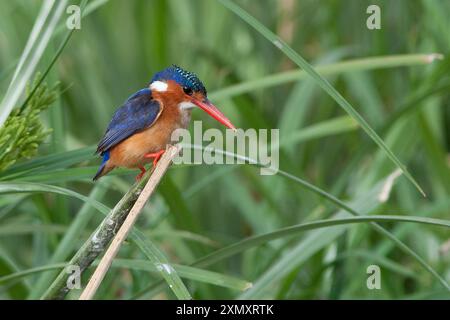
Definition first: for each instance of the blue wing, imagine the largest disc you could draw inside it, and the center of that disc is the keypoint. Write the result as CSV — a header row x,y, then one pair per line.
x,y
138,112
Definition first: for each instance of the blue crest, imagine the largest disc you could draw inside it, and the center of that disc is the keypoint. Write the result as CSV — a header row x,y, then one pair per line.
x,y
182,77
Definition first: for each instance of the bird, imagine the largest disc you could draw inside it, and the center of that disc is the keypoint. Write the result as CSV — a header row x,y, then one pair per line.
x,y
141,128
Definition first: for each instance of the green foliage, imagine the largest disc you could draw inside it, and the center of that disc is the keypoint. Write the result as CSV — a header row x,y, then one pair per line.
x,y
226,229
23,131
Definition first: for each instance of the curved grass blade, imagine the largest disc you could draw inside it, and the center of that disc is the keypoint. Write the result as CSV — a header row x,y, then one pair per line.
x,y
259,240
374,258
17,188
185,235
319,130
68,241
48,163
27,187
255,241
21,229
149,250
400,244
322,82
52,62
90,8
362,64
186,272
161,263
30,63
24,273
37,27
61,175
340,204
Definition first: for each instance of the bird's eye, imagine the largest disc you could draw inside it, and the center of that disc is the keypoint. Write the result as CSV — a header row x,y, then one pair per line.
x,y
188,91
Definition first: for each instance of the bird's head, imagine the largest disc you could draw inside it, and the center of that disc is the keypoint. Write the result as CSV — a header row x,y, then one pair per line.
x,y
187,90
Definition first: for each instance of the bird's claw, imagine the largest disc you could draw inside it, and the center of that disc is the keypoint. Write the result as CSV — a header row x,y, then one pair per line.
x,y
155,156
140,175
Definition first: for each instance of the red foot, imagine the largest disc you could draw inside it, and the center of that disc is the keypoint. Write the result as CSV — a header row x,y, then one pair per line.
x,y
143,171
156,156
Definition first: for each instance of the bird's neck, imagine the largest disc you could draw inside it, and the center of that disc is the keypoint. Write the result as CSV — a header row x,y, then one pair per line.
x,y
175,107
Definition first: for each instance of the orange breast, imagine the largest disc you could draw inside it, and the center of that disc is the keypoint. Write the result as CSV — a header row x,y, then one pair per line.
x,y
130,153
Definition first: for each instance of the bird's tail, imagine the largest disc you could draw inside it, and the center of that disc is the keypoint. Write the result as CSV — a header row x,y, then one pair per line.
x,y
104,167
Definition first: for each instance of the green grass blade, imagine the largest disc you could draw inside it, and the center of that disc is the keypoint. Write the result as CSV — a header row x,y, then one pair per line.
x,y
182,234
62,175
52,62
48,163
380,229
298,255
190,273
27,187
90,8
28,272
326,235
161,263
30,63
145,245
68,242
315,131
255,241
186,272
11,229
322,82
317,239
39,23
8,265
375,258
362,64
342,205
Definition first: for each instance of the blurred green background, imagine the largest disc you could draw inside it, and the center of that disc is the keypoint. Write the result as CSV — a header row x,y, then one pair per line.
x,y
200,209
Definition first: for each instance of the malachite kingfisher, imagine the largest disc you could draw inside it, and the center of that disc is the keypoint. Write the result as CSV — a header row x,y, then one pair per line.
x,y
142,127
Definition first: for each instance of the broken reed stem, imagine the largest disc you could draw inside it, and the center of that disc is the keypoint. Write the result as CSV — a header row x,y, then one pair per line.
x,y
100,238
106,261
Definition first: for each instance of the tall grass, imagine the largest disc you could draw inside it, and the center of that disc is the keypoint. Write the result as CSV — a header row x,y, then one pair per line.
x,y
226,230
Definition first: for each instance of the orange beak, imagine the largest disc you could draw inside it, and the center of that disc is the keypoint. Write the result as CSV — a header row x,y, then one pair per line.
x,y
212,110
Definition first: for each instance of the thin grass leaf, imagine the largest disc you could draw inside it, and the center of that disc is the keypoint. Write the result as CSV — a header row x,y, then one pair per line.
x,y
161,263
90,8
255,241
354,65
29,66
374,258
26,187
68,241
8,265
322,82
320,130
48,163
314,242
340,204
188,272
52,62
186,235
144,244
20,229
28,272
39,23
62,175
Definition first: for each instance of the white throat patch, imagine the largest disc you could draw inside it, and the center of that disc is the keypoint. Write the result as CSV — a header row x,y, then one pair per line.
x,y
158,86
186,105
